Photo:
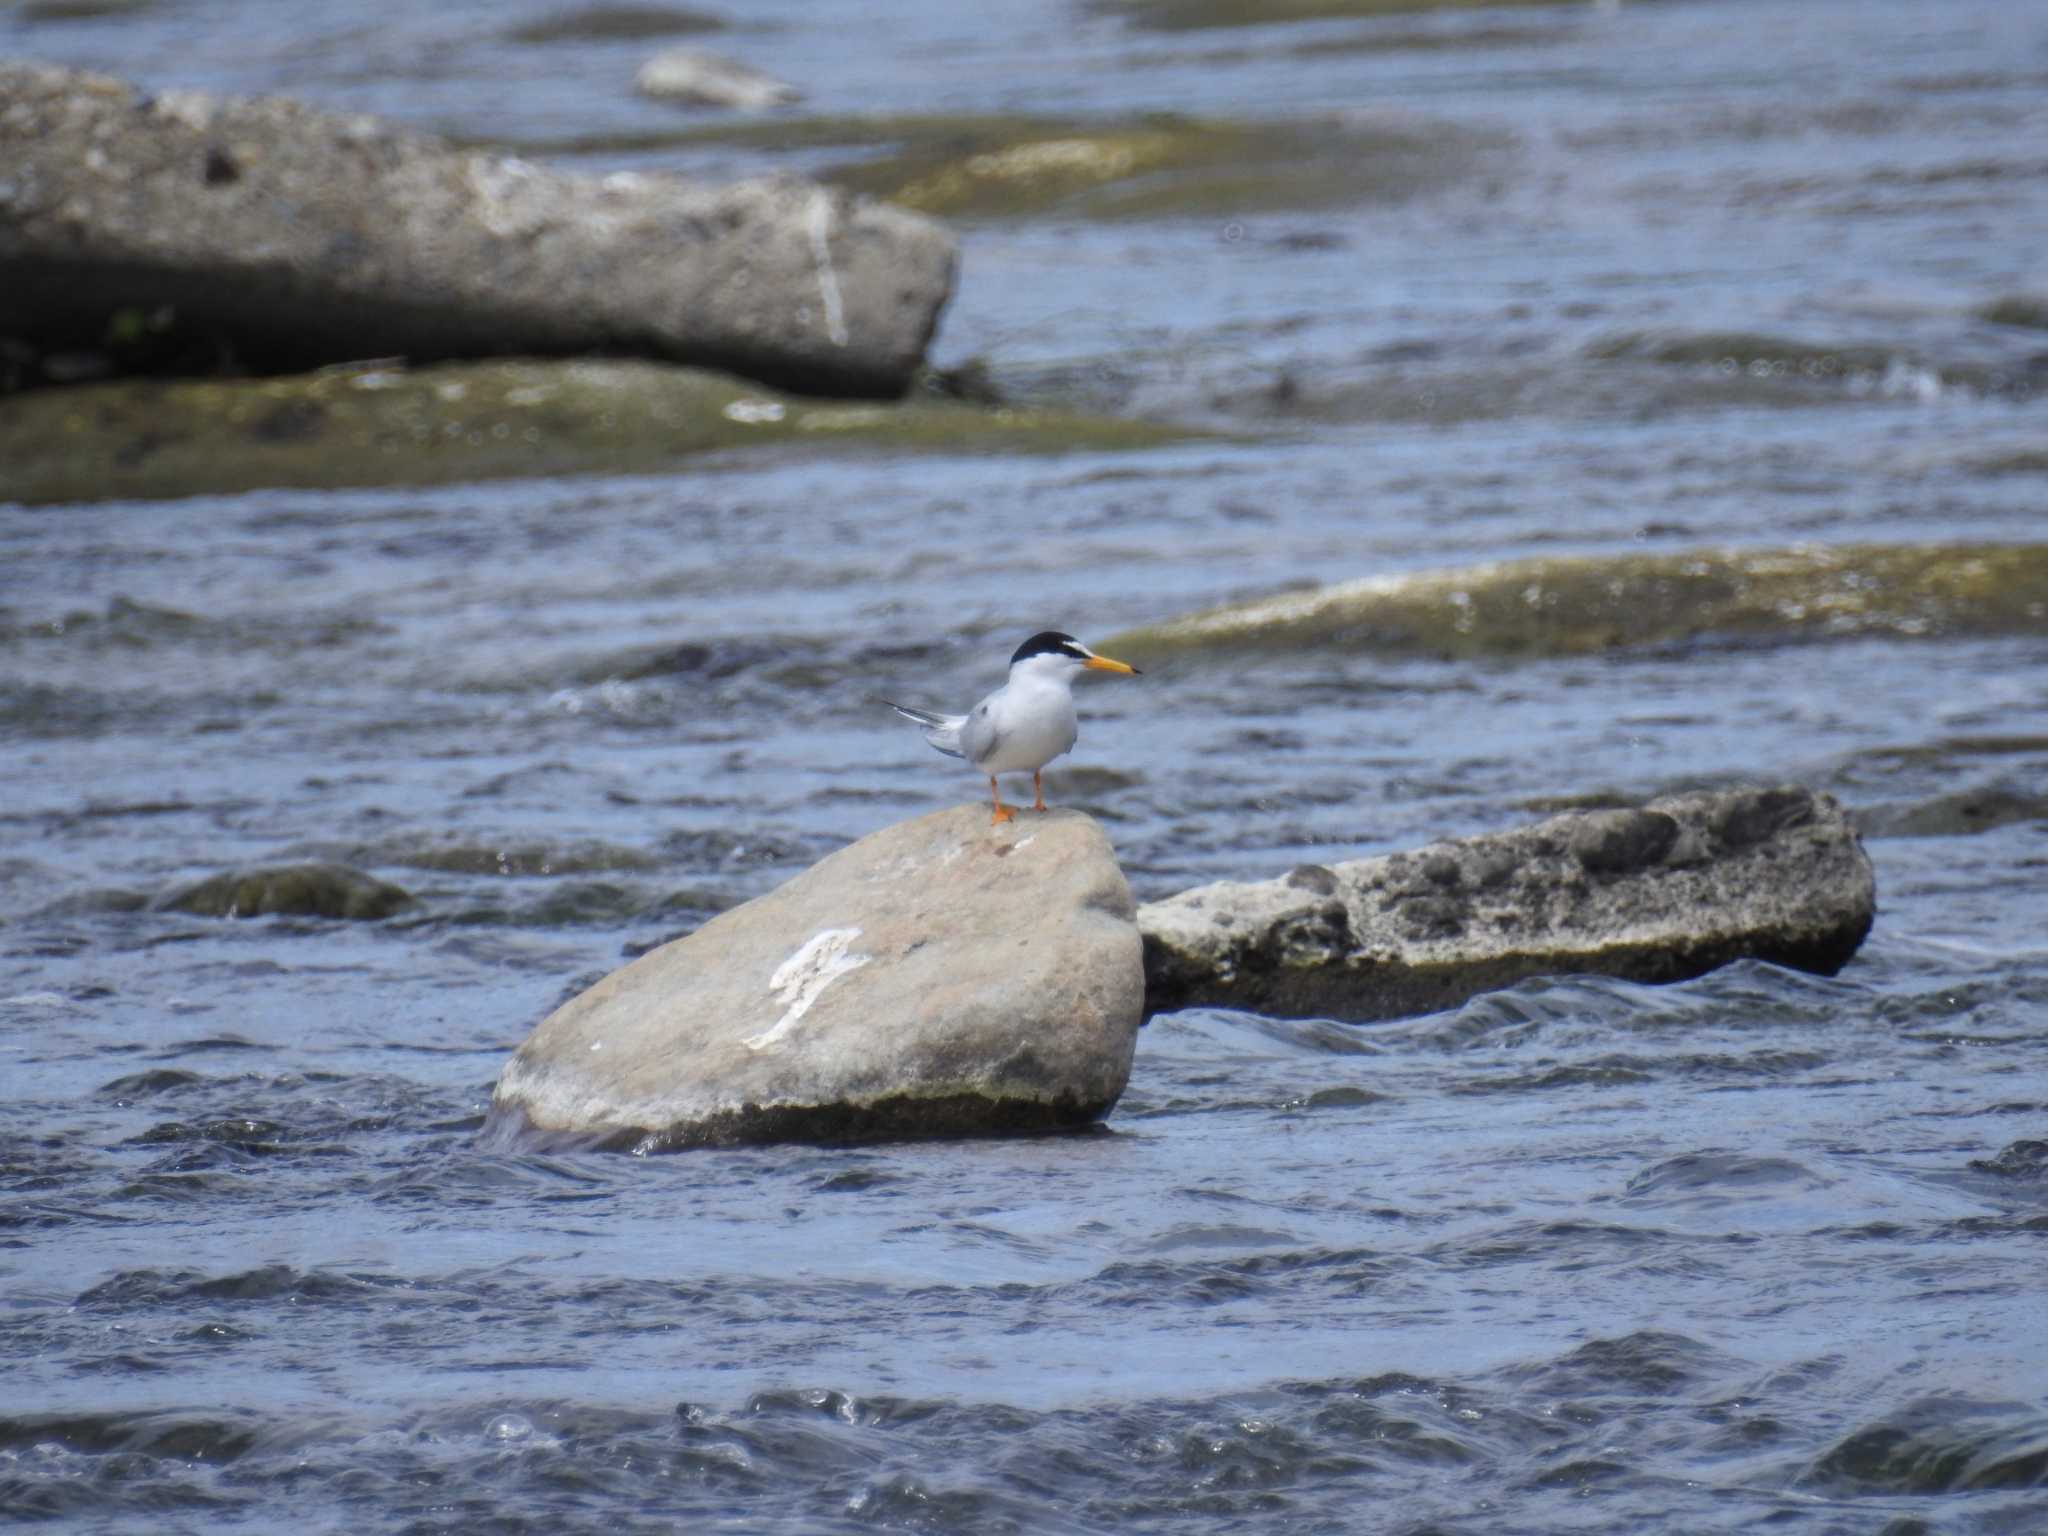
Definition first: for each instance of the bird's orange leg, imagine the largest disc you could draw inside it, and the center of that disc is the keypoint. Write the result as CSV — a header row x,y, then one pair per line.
x,y
1003,812
1038,794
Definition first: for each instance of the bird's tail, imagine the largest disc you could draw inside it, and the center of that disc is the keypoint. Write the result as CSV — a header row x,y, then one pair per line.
x,y
942,731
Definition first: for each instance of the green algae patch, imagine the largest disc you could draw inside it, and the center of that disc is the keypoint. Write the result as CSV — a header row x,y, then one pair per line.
x,y
1200,15
1160,164
851,132
390,425
1572,606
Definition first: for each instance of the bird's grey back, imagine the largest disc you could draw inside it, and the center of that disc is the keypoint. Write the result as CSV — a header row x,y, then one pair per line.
x,y
977,735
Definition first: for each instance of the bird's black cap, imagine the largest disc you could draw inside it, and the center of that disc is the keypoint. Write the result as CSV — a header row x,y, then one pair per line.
x,y
1049,642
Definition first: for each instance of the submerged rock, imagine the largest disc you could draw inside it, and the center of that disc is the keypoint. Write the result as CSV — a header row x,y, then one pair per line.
x,y
1161,164
2027,310
938,978
692,77
1747,362
1196,15
295,890
451,854
1661,893
1572,605
1961,813
614,23
273,237
32,11
390,425
997,165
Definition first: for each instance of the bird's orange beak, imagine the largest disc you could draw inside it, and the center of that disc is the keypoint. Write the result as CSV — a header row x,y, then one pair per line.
x,y
1106,664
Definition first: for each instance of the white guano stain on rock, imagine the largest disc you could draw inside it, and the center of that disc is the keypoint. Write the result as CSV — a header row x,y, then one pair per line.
x,y
802,979
820,228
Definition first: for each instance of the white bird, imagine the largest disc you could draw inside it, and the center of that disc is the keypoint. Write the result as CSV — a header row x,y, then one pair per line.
x,y
1024,724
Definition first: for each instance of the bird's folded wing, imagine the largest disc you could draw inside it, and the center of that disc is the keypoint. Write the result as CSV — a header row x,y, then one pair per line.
x,y
978,735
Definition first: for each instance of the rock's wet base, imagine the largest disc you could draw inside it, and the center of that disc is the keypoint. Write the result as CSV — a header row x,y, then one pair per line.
x,y
901,1118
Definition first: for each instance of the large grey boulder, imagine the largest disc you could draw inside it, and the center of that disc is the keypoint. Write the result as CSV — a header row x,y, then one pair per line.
x,y
289,239
1665,892
939,977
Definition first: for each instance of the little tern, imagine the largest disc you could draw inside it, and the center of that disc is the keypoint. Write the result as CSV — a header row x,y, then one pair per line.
x,y
1024,724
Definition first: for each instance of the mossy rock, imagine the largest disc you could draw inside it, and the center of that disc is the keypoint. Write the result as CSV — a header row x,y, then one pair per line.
x,y
615,23
1197,15
2027,310
292,890
1583,604
31,11
470,421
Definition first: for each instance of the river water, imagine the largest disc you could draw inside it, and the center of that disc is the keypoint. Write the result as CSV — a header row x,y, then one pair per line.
x,y
1760,1249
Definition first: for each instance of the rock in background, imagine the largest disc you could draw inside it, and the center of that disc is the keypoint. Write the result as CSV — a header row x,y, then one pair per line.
x,y
1670,891
295,890
692,77
1575,605
282,238
391,425
939,977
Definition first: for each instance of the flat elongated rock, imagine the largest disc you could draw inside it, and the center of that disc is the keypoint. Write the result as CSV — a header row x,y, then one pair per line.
x,y
150,438
288,239
1576,605
1669,891
939,977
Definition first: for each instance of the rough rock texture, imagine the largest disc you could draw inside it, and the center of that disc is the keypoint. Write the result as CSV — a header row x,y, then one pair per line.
x,y
939,977
296,890
286,239
1672,890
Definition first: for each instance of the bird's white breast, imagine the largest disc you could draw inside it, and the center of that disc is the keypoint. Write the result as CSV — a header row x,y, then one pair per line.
x,y
1034,723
